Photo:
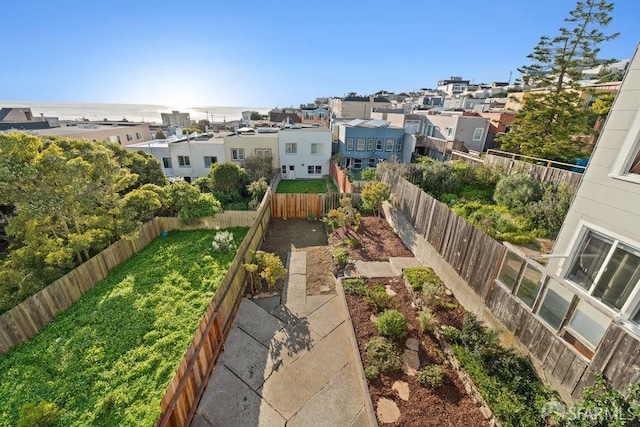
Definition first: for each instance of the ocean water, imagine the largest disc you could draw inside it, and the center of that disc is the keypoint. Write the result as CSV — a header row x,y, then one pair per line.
x,y
149,113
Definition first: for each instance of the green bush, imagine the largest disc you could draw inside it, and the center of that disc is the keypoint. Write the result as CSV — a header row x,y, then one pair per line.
x,y
548,214
494,219
432,376
392,324
452,334
44,414
378,298
432,292
383,354
466,209
341,256
418,277
353,242
368,174
516,191
355,287
472,193
426,320
371,372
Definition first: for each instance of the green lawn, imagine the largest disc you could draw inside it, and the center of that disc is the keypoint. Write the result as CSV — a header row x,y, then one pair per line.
x,y
302,186
108,359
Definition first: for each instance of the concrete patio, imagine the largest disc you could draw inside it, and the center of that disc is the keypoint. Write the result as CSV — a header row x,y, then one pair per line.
x,y
290,361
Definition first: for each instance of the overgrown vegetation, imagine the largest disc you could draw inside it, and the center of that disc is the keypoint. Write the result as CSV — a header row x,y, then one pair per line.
x,y
70,199
507,381
108,359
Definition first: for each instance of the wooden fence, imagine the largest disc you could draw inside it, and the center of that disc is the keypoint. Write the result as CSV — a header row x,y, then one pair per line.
x,y
473,254
181,399
477,258
542,170
307,205
25,320
340,177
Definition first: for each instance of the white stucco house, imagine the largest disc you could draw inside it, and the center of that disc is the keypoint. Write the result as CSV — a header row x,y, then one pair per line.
x,y
304,152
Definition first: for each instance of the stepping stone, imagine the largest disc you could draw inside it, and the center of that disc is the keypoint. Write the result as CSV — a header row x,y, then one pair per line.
x,y
410,362
373,318
402,388
412,344
390,291
387,411
324,289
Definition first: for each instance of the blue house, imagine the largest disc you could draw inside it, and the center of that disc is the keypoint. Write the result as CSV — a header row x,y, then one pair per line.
x,y
364,143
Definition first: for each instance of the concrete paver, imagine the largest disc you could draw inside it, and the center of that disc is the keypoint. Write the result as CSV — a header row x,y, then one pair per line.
x,y
254,366
361,420
375,269
327,317
400,263
291,342
298,263
260,324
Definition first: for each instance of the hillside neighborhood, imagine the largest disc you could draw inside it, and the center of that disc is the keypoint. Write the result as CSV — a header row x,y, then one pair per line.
x,y
461,254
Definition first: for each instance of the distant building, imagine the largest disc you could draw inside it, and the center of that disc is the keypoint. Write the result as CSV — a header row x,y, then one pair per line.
x,y
118,132
440,133
23,119
365,143
278,117
249,142
453,86
357,107
315,115
176,118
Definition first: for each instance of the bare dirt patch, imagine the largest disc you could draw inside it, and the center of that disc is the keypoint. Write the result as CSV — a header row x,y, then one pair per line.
x,y
448,405
377,241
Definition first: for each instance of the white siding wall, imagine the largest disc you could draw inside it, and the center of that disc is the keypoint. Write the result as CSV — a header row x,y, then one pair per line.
x,y
303,158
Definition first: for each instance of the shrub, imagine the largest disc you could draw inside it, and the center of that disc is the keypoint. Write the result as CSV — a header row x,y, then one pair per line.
x,y
346,216
466,209
378,298
223,242
44,414
431,376
452,334
270,267
426,320
341,256
371,372
419,276
373,194
548,214
516,191
355,287
383,354
448,198
353,242
257,190
392,324
432,292
438,179
368,174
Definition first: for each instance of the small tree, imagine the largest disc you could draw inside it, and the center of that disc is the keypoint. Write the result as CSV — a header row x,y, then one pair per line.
x,y
160,134
257,190
267,266
344,217
373,194
228,181
258,166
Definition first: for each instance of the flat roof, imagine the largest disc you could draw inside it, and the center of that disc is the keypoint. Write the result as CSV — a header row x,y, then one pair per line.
x,y
77,130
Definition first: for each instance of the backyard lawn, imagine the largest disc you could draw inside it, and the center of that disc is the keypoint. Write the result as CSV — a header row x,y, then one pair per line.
x,y
108,359
306,186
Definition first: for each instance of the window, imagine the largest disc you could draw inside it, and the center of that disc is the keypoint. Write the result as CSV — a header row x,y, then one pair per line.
x,y
263,151
292,168
360,144
379,144
370,144
237,154
209,160
399,146
291,148
510,269
449,131
477,134
607,269
390,143
184,161
316,148
284,169
554,304
129,137
138,135
349,144
314,170
588,323
428,130
627,164
530,284
357,164
166,162
372,163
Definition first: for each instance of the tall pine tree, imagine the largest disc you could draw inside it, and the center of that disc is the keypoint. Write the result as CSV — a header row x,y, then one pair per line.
x,y
551,121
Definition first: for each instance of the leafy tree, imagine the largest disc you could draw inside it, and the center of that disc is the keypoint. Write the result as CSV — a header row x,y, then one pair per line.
x,y
203,125
259,166
160,135
228,181
187,202
344,216
548,123
255,116
516,191
144,165
373,194
602,105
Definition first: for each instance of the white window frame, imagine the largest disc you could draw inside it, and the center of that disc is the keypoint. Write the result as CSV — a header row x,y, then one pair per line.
x,y
399,143
263,151
138,135
129,137
627,153
166,162
479,136
631,306
349,144
214,159
291,148
389,144
354,164
379,144
316,148
361,144
237,154
318,170
370,142
184,161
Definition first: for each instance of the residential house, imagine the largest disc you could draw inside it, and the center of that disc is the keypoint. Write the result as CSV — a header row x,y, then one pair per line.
x,y
189,159
123,133
240,145
280,117
357,107
176,118
23,119
453,86
315,115
304,152
365,143
442,132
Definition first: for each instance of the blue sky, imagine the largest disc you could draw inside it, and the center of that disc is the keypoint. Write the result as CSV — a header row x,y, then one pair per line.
x,y
268,53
